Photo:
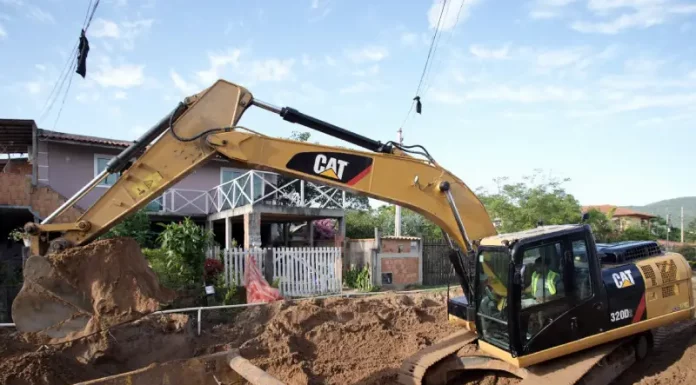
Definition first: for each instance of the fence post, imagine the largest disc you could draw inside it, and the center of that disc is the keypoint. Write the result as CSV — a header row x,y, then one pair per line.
x,y
268,265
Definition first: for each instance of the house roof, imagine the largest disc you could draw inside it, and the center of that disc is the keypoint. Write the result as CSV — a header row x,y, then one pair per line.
x,y
15,135
63,136
619,211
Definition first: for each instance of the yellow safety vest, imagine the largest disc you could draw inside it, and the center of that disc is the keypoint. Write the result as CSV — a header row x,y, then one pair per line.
x,y
550,282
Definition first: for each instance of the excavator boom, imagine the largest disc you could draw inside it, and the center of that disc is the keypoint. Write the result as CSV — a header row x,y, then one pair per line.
x,y
205,125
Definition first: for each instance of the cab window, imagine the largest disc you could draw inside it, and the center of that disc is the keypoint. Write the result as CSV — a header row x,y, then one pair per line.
x,y
544,293
543,271
581,279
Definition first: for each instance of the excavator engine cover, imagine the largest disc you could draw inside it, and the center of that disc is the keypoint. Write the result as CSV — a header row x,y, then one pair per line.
x,y
84,290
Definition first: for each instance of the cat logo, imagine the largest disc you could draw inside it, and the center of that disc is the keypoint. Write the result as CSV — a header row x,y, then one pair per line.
x,y
329,167
623,279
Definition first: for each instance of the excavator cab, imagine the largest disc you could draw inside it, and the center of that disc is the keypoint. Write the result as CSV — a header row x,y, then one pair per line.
x,y
534,291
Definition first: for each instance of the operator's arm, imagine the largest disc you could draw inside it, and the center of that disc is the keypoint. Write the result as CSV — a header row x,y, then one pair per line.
x,y
197,135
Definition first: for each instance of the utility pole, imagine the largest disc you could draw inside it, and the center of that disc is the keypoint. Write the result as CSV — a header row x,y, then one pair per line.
x,y
682,224
397,215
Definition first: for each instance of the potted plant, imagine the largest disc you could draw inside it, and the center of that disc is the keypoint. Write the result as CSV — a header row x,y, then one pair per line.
x,y
18,234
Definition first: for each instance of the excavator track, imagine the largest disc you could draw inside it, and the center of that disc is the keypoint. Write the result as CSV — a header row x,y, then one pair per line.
x,y
447,361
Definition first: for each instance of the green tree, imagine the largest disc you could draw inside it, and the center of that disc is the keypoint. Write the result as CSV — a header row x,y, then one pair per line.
x,y
185,243
602,226
360,224
136,226
522,205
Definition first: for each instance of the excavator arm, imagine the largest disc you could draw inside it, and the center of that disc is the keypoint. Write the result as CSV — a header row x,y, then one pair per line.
x,y
206,124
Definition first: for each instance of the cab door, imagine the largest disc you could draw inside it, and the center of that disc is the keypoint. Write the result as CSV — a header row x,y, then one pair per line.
x,y
570,307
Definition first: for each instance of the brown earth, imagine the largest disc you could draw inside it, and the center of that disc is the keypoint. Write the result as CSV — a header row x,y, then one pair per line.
x,y
322,341
109,281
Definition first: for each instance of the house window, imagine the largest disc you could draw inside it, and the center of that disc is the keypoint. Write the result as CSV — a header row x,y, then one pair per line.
x,y
100,162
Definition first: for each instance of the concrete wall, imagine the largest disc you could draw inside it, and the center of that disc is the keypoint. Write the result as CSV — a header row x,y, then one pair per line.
x,y
358,253
67,167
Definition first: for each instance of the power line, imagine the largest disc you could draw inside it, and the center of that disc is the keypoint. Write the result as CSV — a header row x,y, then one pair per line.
x,y
456,22
427,61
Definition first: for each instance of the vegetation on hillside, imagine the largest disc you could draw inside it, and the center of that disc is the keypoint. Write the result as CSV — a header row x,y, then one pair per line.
x,y
671,207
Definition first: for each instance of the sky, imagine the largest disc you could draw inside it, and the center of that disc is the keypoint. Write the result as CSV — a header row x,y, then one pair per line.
x,y
602,92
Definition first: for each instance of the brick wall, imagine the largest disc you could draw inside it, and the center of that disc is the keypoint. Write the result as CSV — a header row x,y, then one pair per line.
x,y
404,269
16,190
21,167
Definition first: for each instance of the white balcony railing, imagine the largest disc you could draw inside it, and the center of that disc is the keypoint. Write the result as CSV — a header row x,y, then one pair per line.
x,y
252,187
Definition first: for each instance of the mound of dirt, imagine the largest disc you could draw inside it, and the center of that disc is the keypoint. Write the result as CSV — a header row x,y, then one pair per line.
x,y
337,340
85,290
124,348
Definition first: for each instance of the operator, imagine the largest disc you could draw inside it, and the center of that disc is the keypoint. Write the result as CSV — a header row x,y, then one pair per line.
x,y
550,286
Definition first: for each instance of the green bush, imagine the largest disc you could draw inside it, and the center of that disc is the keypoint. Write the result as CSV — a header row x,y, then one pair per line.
x,y
136,226
186,243
170,270
359,279
688,252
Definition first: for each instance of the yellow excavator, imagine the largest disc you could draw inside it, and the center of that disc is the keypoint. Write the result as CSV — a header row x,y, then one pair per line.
x,y
547,305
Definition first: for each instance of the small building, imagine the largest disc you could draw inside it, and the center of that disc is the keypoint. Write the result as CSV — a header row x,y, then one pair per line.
x,y
41,168
624,217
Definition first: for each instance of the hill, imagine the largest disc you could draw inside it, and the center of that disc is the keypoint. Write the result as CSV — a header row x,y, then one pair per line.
x,y
673,207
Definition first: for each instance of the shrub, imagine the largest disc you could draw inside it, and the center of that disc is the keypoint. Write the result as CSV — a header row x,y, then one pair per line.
x,y
213,268
187,242
136,226
170,270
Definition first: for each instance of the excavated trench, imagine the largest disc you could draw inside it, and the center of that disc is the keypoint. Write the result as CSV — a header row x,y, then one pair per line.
x,y
322,341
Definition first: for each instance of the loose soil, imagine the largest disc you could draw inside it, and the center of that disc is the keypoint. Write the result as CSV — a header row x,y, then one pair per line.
x,y
109,281
322,341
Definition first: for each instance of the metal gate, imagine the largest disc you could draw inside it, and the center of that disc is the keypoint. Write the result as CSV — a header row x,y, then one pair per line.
x,y
437,269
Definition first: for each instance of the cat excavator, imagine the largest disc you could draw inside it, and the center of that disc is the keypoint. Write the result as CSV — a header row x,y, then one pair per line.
x,y
548,305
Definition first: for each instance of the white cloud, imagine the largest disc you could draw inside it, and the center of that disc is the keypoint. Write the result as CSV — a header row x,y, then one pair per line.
x,y
305,94
122,76
640,14
369,53
409,38
120,95
543,14
125,32
104,28
548,9
454,8
370,71
181,84
33,87
40,67
490,53
359,87
218,62
330,60
271,70
515,94
3,33
86,97
561,57
38,14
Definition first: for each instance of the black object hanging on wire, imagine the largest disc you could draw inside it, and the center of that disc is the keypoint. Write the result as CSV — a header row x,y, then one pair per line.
x,y
419,106
82,51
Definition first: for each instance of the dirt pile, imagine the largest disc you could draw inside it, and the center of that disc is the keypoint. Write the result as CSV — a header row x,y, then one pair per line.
x,y
338,340
83,290
124,348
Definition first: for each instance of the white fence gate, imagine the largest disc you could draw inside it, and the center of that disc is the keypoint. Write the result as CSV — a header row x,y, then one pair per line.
x,y
301,271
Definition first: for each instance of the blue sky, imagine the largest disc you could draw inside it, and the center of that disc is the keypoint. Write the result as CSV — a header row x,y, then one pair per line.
x,y
599,91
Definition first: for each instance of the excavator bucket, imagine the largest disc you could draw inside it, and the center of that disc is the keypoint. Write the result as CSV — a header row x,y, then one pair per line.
x,y
83,290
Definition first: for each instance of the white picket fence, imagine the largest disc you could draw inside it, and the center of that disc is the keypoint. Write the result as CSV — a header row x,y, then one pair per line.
x,y
301,271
